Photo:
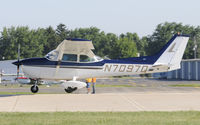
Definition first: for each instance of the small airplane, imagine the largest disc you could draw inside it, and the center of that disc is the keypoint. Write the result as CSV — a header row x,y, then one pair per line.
x,y
73,59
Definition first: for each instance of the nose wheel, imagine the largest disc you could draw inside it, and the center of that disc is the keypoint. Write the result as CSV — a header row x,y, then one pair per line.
x,y
34,89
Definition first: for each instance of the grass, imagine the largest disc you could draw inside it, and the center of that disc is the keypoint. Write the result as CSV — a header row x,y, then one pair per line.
x,y
185,85
15,93
101,118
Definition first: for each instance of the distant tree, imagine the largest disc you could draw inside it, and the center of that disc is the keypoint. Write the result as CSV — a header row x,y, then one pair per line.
x,y
140,43
195,36
30,41
52,40
38,42
144,46
165,31
125,48
62,32
5,40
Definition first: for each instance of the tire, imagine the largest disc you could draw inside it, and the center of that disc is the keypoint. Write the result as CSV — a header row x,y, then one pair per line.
x,y
70,89
34,89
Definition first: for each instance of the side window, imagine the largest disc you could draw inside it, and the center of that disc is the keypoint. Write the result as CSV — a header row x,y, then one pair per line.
x,y
84,58
69,57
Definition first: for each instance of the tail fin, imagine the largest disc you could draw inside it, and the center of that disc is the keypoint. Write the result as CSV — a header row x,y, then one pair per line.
x,y
172,53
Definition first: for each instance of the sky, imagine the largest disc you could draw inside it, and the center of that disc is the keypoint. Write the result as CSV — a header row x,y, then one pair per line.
x,y
115,16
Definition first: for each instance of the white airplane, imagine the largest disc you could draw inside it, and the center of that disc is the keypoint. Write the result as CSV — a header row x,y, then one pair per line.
x,y
73,59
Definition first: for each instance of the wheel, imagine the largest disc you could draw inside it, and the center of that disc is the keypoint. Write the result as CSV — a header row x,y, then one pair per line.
x,y
70,89
34,89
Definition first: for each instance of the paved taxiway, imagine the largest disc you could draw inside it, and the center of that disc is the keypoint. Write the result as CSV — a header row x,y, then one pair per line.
x,y
136,85
144,95
101,102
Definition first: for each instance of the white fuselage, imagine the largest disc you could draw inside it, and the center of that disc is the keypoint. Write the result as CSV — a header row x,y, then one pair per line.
x,y
78,65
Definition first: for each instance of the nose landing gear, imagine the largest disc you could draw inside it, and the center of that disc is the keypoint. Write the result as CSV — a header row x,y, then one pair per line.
x,y
35,88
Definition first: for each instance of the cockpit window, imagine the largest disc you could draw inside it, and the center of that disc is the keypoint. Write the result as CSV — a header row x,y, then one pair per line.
x,y
53,55
69,57
84,58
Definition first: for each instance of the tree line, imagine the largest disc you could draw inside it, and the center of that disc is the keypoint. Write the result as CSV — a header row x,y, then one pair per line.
x,y
38,42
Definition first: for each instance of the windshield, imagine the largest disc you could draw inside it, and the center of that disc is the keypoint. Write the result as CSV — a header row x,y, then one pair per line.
x,y
53,55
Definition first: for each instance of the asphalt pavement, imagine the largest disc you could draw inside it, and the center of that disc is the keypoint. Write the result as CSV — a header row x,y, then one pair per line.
x,y
137,95
118,85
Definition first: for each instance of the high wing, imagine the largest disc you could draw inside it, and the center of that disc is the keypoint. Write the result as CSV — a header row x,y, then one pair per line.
x,y
75,46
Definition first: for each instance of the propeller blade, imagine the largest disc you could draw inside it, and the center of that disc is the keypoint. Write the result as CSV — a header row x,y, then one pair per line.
x,y
18,59
17,71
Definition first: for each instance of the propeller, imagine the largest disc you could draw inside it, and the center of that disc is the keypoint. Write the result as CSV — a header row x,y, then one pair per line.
x,y
18,59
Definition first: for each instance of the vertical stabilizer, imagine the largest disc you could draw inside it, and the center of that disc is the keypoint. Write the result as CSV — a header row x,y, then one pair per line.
x,y
172,53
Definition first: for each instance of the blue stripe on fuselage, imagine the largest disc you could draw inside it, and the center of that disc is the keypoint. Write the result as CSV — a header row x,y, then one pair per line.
x,y
45,62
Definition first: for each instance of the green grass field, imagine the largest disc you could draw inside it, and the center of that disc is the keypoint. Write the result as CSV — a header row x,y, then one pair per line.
x,y
101,118
186,85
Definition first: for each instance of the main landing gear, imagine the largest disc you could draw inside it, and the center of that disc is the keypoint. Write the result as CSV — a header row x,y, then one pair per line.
x,y
34,87
70,89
